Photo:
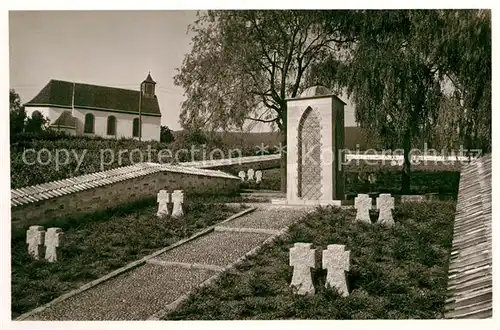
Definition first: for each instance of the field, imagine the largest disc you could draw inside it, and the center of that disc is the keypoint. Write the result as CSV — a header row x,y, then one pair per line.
x,y
397,273
102,242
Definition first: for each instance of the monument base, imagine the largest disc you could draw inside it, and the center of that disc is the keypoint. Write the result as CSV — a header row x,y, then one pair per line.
x,y
302,202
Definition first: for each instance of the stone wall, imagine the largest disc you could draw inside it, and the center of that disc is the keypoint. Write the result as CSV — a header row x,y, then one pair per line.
x,y
138,186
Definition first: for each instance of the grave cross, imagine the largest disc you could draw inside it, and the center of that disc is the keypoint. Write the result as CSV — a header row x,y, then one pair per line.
x,y
177,199
363,204
53,241
163,198
336,260
250,174
385,204
35,237
302,260
241,174
258,176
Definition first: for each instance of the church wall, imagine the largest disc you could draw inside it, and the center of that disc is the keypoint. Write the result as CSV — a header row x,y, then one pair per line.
x,y
124,124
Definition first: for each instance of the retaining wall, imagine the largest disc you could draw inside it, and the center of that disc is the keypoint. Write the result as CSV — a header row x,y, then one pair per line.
x,y
103,190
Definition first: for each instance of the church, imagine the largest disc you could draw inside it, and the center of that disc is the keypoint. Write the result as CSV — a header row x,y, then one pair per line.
x,y
92,110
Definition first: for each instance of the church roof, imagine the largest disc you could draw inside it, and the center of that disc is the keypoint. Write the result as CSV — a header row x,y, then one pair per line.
x,y
149,79
65,119
59,93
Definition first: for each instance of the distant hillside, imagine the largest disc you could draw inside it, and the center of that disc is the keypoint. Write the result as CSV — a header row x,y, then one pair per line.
x,y
353,136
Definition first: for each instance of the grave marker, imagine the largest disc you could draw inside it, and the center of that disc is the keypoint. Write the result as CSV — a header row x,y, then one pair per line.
x,y
163,198
177,199
302,260
53,242
385,204
336,260
35,237
241,174
250,174
258,176
363,204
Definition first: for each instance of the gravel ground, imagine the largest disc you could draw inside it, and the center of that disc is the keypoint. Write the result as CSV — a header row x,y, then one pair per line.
x,y
276,218
134,295
216,248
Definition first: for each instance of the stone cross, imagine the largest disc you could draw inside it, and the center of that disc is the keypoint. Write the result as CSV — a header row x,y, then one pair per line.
x,y
250,174
35,237
336,260
302,260
163,198
363,204
177,199
53,241
385,204
258,176
241,174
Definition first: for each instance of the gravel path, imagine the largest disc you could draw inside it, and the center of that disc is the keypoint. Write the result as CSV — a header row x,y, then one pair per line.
x,y
216,248
272,218
134,295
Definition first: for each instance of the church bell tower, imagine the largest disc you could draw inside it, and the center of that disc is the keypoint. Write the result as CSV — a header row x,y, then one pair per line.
x,y
148,87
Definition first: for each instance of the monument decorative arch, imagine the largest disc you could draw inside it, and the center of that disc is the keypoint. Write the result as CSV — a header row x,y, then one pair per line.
x,y
315,138
309,155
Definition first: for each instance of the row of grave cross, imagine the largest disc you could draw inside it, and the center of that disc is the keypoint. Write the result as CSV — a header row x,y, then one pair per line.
x,y
37,238
385,204
164,198
334,259
250,175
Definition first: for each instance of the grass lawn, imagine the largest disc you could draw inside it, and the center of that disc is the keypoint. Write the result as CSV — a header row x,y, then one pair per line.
x,y
100,243
396,273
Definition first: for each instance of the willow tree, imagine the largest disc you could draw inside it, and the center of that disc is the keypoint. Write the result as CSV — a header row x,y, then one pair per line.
x,y
416,74
396,90
458,42
245,64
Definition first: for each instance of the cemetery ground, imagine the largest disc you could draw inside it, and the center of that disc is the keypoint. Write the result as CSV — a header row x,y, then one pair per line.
x,y
102,242
396,273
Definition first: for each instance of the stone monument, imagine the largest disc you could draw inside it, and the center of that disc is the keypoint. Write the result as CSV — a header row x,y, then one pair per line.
x,y
363,204
250,174
385,204
163,198
302,260
315,137
258,176
177,199
336,260
53,243
35,237
241,174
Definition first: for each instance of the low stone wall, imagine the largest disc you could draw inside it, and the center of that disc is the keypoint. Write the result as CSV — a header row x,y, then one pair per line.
x,y
234,165
82,195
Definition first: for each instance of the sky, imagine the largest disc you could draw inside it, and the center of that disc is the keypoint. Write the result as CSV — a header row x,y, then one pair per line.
x,y
110,48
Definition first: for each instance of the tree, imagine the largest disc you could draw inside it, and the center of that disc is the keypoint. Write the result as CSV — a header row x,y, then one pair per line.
x,y
395,89
17,113
397,73
245,64
166,135
37,123
459,43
